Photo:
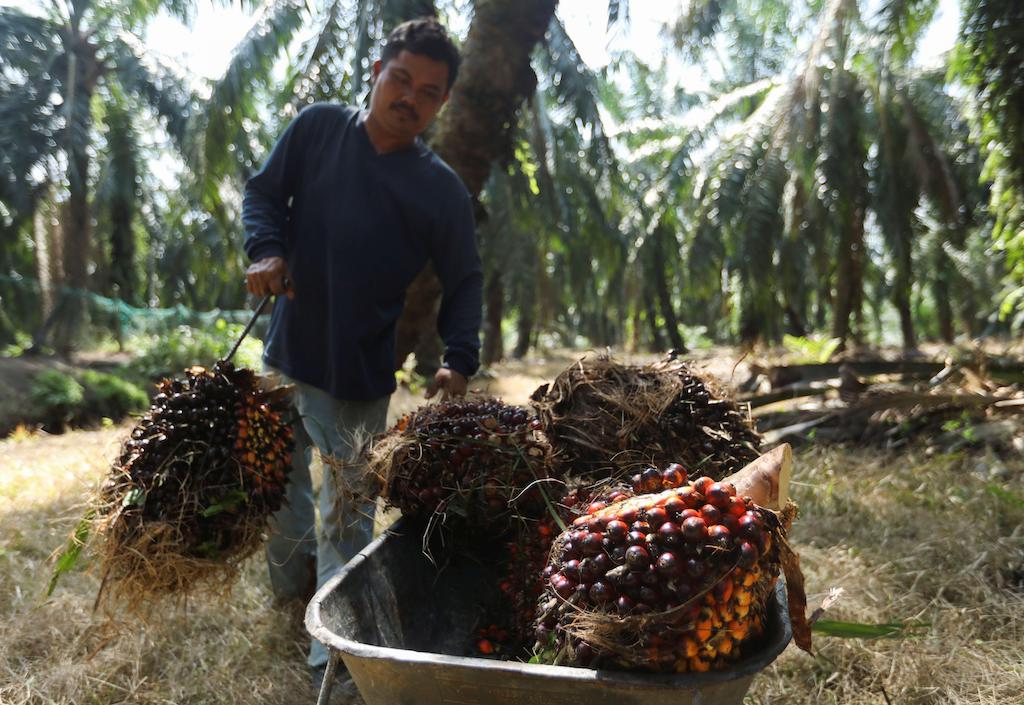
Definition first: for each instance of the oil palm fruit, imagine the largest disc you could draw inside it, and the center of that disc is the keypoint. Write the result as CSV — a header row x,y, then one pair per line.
x,y
476,458
210,455
675,580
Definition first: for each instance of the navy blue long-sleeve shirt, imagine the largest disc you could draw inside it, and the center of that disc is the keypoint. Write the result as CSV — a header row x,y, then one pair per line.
x,y
356,227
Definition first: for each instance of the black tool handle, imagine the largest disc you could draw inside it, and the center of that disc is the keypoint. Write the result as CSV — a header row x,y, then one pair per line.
x,y
248,327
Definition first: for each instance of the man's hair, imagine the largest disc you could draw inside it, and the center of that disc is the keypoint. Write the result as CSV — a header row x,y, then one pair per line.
x,y
424,36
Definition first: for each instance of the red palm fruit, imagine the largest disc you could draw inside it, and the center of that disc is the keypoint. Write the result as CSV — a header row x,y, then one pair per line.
x,y
617,530
711,514
701,484
748,554
673,476
694,568
730,522
571,570
690,497
563,586
720,536
737,506
656,516
669,565
674,506
750,526
591,543
687,513
649,596
699,581
601,593
651,541
719,494
650,479
637,558
694,529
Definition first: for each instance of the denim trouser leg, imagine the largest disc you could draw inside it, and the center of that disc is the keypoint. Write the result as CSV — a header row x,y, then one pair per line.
x,y
333,426
291,546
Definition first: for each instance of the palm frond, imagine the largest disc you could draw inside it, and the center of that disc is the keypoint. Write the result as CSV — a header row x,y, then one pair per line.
x,y
160,86
232,113
32,69
117,193
901,23
575,88
697,25
618,11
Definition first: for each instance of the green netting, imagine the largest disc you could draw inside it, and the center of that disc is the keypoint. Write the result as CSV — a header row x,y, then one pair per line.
x,y
97,317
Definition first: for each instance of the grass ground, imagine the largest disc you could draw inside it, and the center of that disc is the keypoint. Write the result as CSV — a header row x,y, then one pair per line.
x,y
911,537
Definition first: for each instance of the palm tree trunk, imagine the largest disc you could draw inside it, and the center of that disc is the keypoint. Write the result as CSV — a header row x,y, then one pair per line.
x,y
901,300
657,335
473,131
849,274
668,311
48,256
524,330
494,302
83,73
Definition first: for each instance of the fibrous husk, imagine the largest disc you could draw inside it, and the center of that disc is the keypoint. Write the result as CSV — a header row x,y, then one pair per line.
x,y
601,415
189,496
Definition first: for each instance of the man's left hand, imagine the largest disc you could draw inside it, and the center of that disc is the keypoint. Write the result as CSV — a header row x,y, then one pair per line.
x,y
450,383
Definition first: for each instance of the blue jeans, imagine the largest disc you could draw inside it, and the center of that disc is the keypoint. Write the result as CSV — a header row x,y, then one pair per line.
x,y
335,428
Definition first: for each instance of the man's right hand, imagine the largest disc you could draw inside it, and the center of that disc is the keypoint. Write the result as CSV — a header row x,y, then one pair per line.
x,y
269,276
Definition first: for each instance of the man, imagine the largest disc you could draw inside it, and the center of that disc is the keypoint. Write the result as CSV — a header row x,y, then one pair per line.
x,y
347,210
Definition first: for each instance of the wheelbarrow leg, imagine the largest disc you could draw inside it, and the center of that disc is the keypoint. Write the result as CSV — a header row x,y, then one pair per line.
x,y
328,683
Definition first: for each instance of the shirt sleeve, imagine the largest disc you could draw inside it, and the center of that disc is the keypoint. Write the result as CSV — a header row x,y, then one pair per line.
x,y
457,263
265,203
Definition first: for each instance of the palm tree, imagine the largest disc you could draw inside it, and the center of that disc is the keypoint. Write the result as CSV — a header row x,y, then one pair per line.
x,y
67,75
476,125
841,140
990,59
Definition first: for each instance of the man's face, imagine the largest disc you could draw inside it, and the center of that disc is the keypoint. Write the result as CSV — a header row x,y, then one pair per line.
x,y
408,92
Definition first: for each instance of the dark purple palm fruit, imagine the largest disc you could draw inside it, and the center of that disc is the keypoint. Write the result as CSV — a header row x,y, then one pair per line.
x,y
476,458
701,578
211,454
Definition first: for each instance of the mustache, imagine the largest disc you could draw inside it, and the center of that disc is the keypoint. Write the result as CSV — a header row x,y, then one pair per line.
x,y
407,109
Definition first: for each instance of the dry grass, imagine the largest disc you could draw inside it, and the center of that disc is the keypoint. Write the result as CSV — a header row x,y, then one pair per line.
x,y
909,537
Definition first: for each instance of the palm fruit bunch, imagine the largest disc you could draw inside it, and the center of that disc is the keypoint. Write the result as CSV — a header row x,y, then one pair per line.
x,y
475,458
528,547
672,581
197,479
601,415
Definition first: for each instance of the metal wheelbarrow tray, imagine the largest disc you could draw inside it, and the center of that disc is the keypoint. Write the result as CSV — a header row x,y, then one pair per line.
x,y
405,630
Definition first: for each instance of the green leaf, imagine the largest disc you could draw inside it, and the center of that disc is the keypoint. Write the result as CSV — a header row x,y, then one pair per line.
x,y
68,558
135,498
1011,498
855,630
229,504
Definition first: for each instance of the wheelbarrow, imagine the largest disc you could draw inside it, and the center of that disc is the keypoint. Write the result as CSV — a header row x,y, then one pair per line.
x,y
405,627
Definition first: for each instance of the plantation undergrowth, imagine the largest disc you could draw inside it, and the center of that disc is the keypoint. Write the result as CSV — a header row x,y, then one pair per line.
x,y
914,539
